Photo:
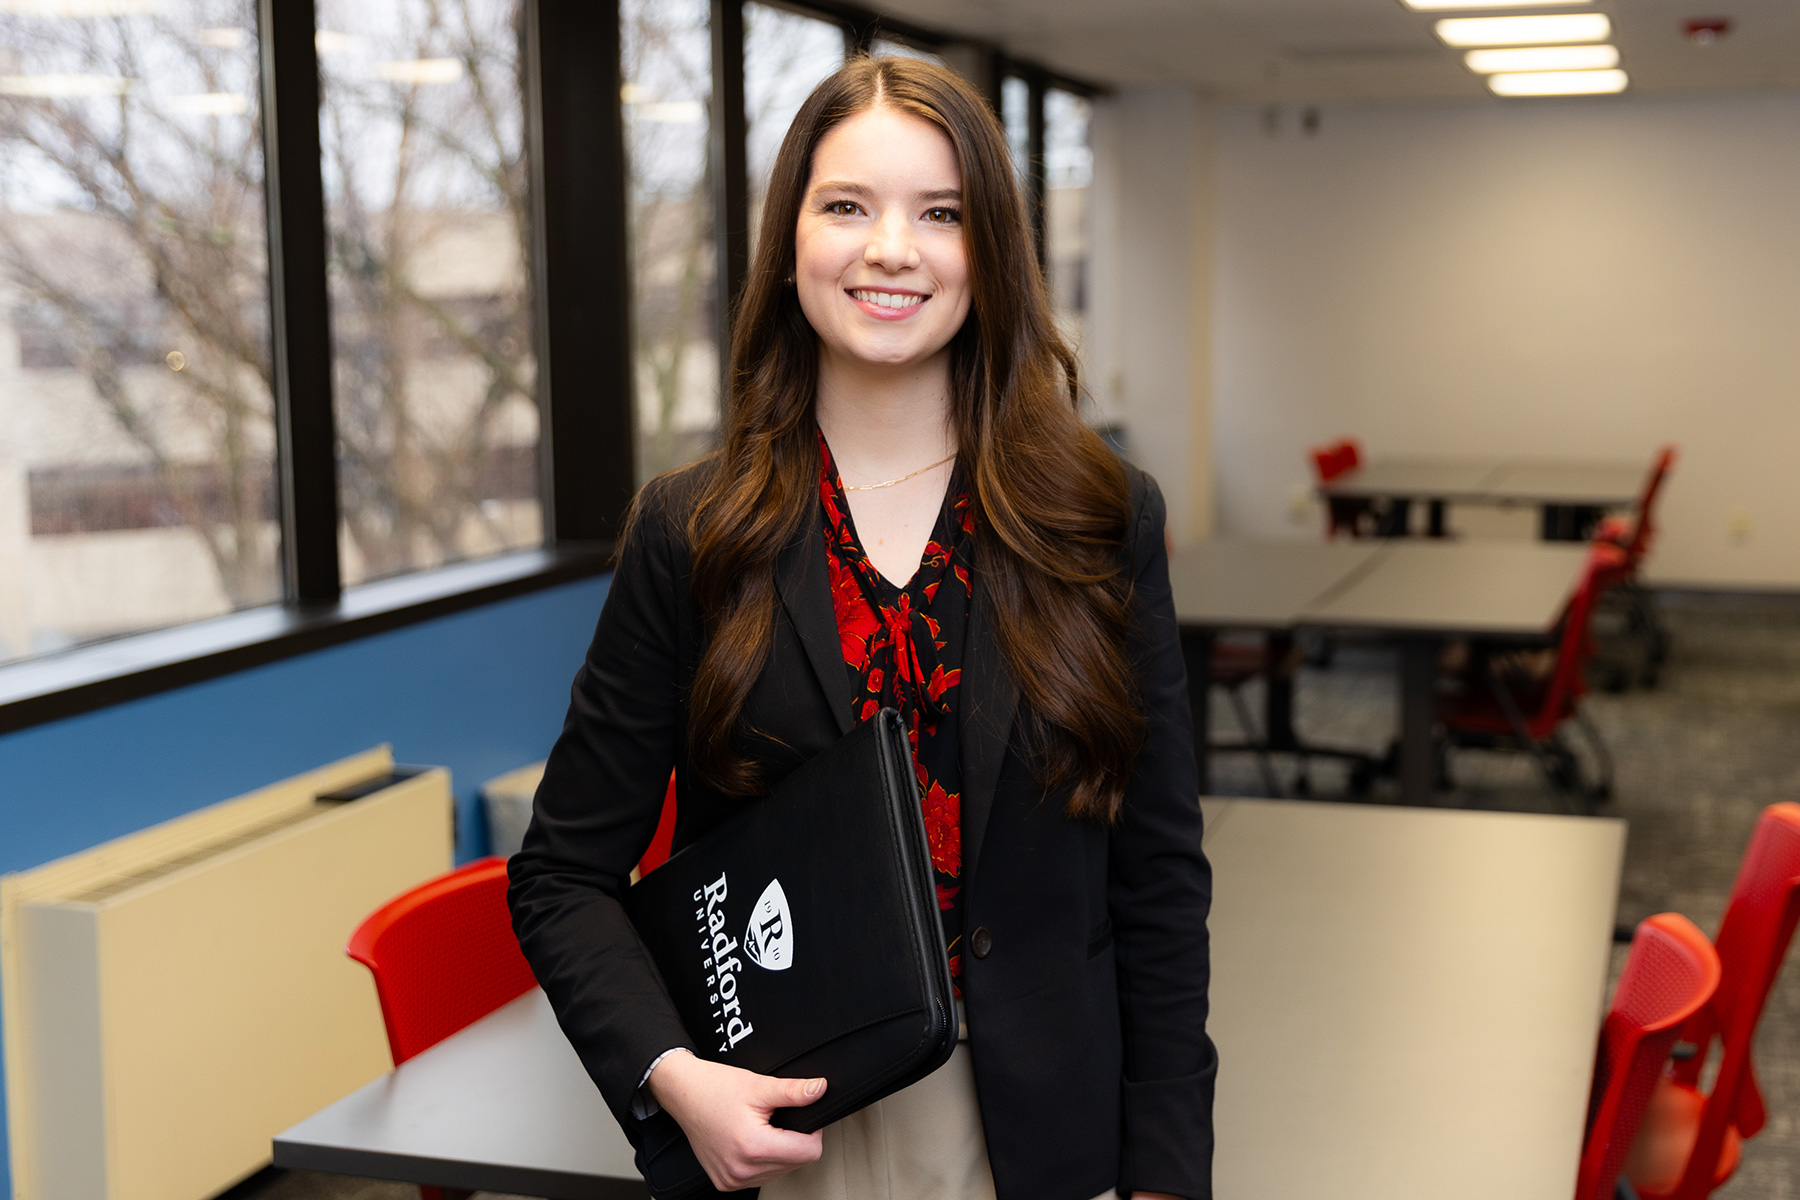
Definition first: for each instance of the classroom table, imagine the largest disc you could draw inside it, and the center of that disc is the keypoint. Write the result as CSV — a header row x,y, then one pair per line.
x,y
1570,494
1405,1003
1418,593
1405,1000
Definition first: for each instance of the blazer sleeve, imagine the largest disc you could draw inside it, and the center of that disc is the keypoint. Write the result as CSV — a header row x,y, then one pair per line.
x,y
595,814
1159,893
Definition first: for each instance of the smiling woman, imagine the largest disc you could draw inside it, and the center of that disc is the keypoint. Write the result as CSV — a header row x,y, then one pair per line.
x,y
906,513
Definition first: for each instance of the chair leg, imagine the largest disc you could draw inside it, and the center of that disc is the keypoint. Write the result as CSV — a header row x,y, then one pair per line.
x,y
1546,767
1603,787
1263,762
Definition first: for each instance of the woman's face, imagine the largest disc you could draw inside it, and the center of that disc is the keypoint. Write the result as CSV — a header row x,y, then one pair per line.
x,y
878,259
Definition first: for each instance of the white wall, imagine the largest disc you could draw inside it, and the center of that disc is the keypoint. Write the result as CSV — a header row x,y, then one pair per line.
x,y
1150,361
1549,278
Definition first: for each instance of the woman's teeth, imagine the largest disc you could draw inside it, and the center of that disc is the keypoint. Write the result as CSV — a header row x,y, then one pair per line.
x,y
887,299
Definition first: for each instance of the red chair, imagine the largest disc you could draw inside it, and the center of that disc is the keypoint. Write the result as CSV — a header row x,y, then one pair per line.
x,y
1352,515
443,956
1633,535
1499,710
1691,1140
1671,972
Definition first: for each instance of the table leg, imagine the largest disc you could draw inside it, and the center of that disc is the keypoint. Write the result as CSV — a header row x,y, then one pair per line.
x,y
1418,702
1196,652
1278,695
1436,526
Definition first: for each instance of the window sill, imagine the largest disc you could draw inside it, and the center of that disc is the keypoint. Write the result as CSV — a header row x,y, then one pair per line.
x,y
70,682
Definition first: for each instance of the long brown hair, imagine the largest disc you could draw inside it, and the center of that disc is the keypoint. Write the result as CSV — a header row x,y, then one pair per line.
x,y
1051,502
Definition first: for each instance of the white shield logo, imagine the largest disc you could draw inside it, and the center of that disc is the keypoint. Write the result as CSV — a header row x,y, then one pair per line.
x,y
769,940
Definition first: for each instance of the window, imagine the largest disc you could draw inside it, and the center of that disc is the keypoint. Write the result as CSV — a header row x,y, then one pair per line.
x,y
167,454
892,48
1015,115
422,129
785,56
666,61
136,435
1068,212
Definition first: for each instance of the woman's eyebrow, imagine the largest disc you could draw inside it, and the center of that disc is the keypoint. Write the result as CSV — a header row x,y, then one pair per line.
x,y
837,185
942,194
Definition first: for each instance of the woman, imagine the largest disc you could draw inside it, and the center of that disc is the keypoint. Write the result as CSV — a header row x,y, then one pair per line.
x,y
906,511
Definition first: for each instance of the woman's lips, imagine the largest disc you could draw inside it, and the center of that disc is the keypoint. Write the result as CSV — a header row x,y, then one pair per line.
x,y
887,305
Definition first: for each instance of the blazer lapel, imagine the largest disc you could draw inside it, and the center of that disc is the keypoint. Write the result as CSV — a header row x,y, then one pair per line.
x,y
988,702
802,580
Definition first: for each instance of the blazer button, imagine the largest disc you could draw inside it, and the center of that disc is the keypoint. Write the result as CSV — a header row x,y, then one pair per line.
x,y
981,941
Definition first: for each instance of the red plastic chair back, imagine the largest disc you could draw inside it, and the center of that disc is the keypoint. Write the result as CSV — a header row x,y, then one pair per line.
x,y
1671,972
1645,525
1576,646
1339,458
443,956
1753,940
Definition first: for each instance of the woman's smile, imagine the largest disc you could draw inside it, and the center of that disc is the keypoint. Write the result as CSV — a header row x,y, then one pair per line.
x,y
886,304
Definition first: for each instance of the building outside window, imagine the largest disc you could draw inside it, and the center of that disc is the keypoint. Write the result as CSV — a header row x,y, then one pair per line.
x,y
786,54
667,69
136,434
894,48
428,226
1068,210
1015,115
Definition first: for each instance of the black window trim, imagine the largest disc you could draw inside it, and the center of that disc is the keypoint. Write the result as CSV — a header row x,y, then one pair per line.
x,y
570,61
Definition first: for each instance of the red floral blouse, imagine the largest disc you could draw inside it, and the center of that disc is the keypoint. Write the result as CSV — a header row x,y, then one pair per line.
x,y
903,646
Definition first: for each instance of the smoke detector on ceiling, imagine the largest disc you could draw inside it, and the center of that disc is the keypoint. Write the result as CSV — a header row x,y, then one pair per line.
x,y
1704,31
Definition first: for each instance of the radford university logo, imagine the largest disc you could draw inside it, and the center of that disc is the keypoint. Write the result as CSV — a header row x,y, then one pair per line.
x,y
769,938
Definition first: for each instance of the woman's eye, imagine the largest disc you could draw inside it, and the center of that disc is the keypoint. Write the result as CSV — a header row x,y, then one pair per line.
x,y
841,208
943,216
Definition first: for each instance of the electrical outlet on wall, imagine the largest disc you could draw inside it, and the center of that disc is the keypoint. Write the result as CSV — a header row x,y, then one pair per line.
x,y
1738,526
1302,505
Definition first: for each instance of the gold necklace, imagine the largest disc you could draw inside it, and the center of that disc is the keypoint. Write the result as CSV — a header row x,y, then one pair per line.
x,y
869,487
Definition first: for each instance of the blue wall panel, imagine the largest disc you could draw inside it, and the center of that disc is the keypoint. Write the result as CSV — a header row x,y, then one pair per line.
x,y
480,692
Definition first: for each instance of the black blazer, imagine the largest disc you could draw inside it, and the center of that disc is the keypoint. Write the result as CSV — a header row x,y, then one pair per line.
x,y
1087,1008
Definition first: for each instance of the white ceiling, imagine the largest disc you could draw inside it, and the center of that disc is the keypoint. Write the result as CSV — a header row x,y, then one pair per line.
x,y
1321,50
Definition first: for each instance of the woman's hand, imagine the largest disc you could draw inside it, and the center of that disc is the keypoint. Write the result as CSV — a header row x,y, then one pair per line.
x,y
725,1113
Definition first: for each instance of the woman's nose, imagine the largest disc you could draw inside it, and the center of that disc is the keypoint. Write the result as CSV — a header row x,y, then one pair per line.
x,y
891,245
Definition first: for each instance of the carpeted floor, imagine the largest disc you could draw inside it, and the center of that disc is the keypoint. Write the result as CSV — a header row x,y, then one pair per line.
x,y
1697,759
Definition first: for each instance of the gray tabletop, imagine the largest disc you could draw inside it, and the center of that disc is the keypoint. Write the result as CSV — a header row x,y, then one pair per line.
x,y
503,1106
1260,583
1590,484
1431,478
1598,484
1405,1003
1405,1000
1397,586
1457,588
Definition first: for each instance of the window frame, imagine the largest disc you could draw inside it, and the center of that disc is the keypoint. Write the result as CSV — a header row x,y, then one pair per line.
x,y
574,127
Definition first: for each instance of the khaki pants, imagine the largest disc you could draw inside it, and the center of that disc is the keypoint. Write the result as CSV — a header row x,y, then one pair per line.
x,y
922,1143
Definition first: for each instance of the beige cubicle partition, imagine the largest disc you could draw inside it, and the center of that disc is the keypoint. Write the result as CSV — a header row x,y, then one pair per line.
x,y
175,997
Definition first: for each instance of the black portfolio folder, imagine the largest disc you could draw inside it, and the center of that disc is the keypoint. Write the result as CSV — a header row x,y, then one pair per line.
x,y
801,938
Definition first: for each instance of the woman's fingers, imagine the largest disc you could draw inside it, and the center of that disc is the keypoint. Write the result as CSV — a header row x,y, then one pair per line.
x,y
725,1113
789,1093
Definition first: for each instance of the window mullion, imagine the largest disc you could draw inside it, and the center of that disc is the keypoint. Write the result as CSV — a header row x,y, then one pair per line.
x,y
730,171
582,268
300,328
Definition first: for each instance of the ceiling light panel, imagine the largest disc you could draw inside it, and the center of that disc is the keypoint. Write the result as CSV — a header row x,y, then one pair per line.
x,y
1558,83
1542,58
1524,31
1459,5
